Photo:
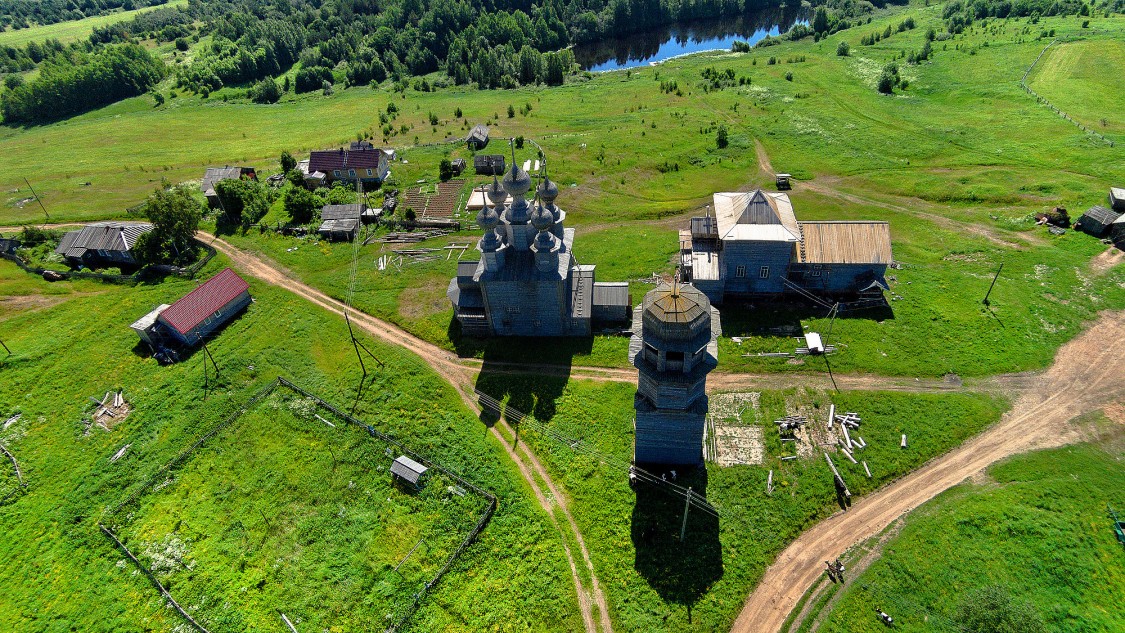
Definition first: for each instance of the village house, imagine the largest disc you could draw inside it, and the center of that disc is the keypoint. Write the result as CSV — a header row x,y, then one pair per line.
x,y
197,314
361,162
102,244
753,246
477,138
214,175
527,282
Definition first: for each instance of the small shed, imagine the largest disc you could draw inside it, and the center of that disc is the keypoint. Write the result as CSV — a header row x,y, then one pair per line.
x,y
408,471
478,137
340,221
145,327
783,182
1097,221
1117,199
1117,229
611,302
489,164
458,166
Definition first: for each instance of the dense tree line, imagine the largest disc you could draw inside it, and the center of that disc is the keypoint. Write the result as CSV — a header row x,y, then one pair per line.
x,y
73,82
21,14
958,15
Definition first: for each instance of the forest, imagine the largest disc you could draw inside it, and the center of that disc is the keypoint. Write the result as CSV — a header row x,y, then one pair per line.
x,y
20,14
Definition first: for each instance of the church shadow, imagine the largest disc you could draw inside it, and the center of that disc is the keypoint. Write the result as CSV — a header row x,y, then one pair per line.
x,y
679,572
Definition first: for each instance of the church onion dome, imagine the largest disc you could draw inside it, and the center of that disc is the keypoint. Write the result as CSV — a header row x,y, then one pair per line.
x,y
517,182
676,311
488,218
548,191
542,218
495,192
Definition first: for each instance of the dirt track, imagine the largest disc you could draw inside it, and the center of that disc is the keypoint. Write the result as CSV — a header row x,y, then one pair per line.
x,y
1085,377
461,377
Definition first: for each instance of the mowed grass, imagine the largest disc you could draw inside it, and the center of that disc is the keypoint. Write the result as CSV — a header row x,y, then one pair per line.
x,y
651,579
1078,78
300,510
74,29
59,572
1038,525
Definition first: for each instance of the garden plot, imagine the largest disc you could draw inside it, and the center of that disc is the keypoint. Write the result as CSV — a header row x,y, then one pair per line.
x,y
739,444
290,508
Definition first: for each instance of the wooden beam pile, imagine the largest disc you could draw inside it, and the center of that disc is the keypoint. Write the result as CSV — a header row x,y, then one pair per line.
x,y
790,423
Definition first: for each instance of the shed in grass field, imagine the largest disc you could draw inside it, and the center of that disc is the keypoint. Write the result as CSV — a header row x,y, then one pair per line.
x,y
203,310
340,221
478,137
1097,221
408,471
1117,199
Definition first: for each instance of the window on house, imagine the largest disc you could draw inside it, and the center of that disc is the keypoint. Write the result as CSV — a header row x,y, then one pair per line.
x,y
815,272
336,173
764,272
351,172
370,173
740,271
513,309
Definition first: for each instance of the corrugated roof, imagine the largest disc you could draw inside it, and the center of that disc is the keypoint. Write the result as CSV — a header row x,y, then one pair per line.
x,y
187,313
332,159
341,211
147,320
102,236
756,216
408,469
846,243
215,174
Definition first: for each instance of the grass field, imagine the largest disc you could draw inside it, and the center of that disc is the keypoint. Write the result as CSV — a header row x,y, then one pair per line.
x,y
70,341
74,29
1037,525
654,582
1076,76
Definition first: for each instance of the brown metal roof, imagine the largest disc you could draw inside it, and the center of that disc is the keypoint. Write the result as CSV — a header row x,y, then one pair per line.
x,y
328,161
845,243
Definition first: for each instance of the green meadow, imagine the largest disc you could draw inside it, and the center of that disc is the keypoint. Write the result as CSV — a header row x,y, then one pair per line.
x,y
651,579
74,29
1036,525
340,530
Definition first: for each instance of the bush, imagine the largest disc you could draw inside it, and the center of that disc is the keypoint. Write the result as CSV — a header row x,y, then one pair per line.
x,y
301,204
887,82
511,111
843,49
721,139
311,78
789,76
445,169
265,91
288,163
175,216
457,113
991,609
182,44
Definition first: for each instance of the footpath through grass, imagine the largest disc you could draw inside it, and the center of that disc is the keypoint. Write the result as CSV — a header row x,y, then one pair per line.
x,y
1037,525
653,581
59,572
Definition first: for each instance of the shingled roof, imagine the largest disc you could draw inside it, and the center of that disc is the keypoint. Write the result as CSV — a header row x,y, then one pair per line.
x,y
187,313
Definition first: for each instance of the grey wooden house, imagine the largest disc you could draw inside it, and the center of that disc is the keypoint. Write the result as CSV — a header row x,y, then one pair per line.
x,y
478,137
102,244
214,175
753,246
340,221
1097,221
488,164
527,281
674,346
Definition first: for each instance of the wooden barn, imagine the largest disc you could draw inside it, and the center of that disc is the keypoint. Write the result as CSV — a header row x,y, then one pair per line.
x,y
340,221
1097,221
478,137
205,309
458,165
489,164
102,244
214,175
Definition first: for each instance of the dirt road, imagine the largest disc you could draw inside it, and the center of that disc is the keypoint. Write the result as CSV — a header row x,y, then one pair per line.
x,y
1085,377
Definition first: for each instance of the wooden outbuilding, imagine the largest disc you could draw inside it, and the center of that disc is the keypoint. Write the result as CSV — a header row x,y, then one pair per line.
x,y
1097,221
1117,199
489,164
102,244
340,221
205,309
478,137
408,471
215,175
458,166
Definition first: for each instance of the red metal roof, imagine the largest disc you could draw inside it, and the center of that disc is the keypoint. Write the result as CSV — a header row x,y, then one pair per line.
x,y
187,313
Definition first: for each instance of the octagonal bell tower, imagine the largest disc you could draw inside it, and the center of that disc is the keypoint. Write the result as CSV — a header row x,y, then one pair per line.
x,y
674,347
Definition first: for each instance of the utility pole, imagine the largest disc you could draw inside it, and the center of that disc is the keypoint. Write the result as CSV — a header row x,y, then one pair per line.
x,y
687,504
5,347
38,200
997,276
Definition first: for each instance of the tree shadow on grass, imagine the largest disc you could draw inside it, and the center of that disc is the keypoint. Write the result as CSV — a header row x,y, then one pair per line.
x,y
680,572
782,317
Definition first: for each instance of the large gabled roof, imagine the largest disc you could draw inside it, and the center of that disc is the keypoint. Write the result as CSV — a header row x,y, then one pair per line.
x,y
756,216
102,236
191,309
